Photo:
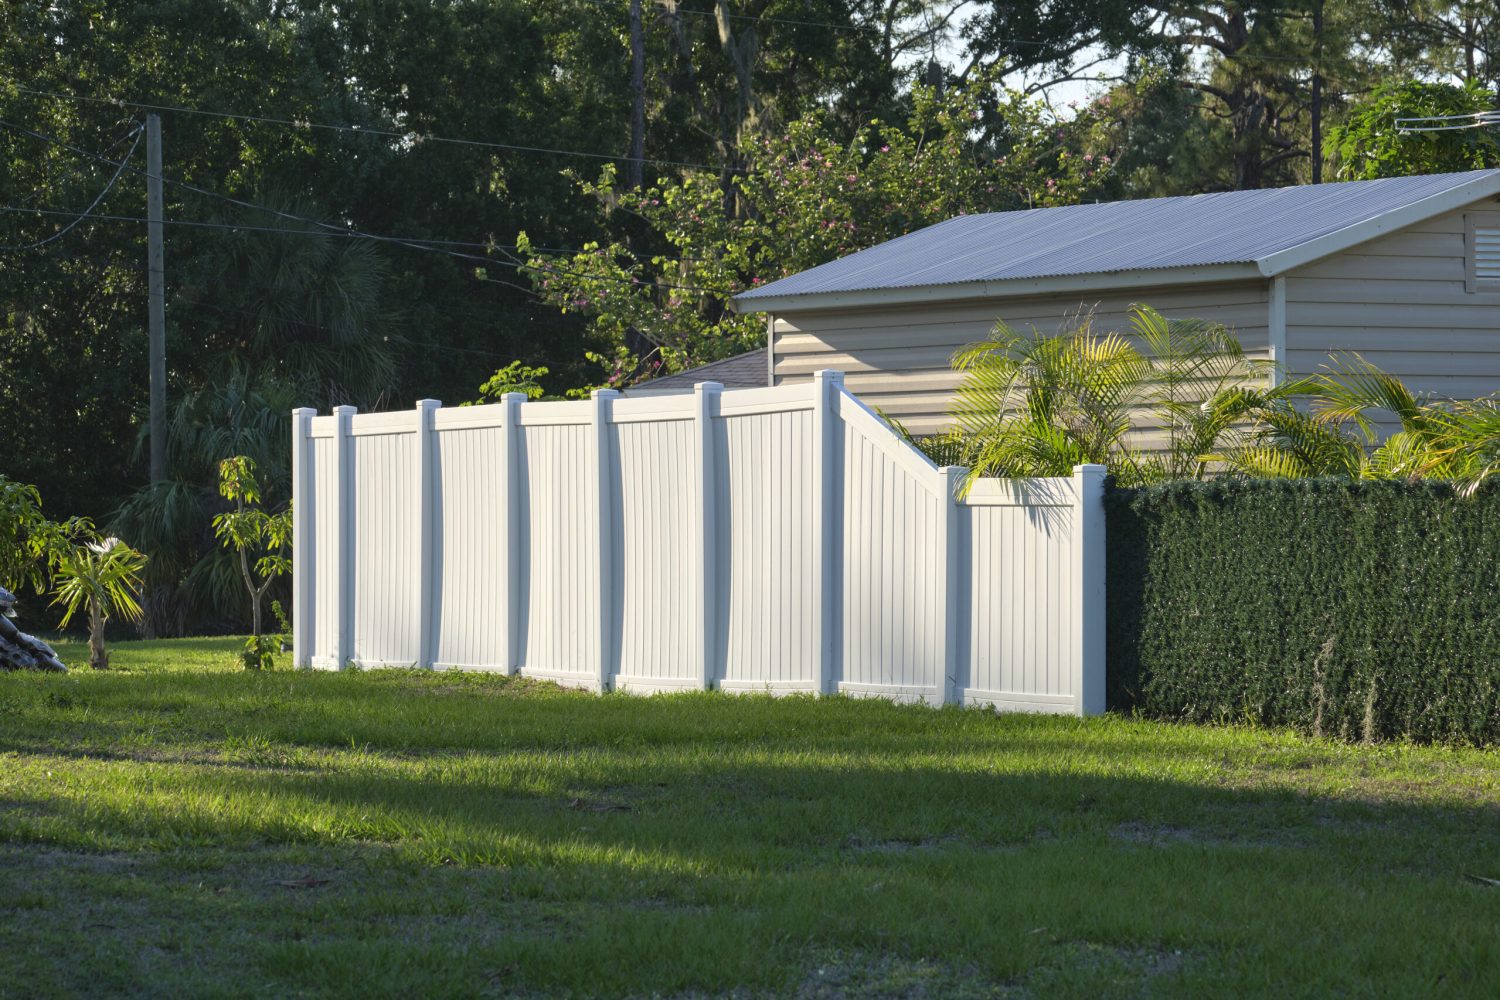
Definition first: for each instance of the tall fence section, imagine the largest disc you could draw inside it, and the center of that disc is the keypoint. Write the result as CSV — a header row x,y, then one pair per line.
x,y
781,540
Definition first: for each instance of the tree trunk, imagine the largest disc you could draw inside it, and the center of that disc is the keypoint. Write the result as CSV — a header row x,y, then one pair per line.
x,y
255,612
635,168
98,655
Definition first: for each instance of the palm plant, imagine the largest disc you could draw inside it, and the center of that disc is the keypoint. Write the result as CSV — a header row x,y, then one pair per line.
x,y
102,577
1037,405
1337,431
189,575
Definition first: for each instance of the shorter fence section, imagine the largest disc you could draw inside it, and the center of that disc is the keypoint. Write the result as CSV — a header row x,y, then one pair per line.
x,y
781,540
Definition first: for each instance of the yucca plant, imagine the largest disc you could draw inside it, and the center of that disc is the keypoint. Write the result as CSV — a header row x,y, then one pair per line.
x,y
100,576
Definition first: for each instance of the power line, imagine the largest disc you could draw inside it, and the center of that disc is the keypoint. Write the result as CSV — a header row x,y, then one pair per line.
x,y
411,136
399,241
277,230
87,211
399,341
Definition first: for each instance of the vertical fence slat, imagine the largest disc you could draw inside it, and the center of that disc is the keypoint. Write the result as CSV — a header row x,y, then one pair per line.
x,y
512,570
425,551
827,509
603,501
952,605
706,405
343,528
1088,589
303,516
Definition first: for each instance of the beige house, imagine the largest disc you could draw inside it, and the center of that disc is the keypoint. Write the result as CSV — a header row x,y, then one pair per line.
x,y
1405,271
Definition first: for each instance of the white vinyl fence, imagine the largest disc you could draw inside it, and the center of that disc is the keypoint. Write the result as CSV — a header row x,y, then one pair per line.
x,y
781,539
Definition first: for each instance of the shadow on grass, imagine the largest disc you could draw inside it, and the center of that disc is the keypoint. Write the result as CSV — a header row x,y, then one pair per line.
x,y
564,843
717,877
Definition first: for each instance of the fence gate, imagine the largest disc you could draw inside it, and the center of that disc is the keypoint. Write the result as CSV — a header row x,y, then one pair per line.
x,y
781,539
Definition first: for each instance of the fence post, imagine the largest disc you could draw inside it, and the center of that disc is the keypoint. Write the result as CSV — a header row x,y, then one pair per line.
x,y
827,523
510,534
303,541
603,401
954,589
343,507
1089,667
424,542
706,400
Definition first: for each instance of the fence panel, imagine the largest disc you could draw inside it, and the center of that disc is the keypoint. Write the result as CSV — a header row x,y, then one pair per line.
x,y
895,632
470,581
384,556
657,573
560,545
782,540
768,600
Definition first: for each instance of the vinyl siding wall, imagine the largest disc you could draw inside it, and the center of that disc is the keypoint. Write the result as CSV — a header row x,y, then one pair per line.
x,y
898,359
1400,301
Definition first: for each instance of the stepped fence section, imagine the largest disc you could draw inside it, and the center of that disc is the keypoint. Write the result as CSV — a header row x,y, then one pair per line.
x,y
781,540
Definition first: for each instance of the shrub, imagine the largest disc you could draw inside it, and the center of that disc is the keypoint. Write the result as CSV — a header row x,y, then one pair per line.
x,y
1362,610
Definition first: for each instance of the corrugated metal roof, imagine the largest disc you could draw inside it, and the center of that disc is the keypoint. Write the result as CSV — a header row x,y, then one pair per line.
x,y
750,370
1234,227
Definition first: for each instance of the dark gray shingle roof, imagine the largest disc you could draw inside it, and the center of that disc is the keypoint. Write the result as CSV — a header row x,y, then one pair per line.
x,y
743,371
1235,227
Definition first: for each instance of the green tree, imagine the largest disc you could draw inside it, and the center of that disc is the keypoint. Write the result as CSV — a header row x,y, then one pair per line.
x,y
810,196
1369,145
259,539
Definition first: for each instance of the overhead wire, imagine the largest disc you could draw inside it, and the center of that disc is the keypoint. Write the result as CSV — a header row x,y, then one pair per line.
x,y
248,227
87,212
397,240
411,135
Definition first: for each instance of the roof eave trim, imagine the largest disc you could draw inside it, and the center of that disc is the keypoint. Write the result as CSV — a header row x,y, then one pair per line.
x,y
1010,288
1397,218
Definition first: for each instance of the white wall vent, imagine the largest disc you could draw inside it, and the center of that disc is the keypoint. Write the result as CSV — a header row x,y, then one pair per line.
x,y
1483,251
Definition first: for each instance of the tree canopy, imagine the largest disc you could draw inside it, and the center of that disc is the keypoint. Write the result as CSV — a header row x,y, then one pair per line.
x,y
375,201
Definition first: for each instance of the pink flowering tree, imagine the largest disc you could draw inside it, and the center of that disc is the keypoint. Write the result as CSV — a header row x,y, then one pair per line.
x,y
803,198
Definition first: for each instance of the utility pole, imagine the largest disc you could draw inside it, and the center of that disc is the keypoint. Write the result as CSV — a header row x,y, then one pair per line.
x,y
157,309
1317,93
635,169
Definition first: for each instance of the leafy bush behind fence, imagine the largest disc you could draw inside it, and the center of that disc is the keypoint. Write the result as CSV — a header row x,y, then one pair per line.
x,y
1363,610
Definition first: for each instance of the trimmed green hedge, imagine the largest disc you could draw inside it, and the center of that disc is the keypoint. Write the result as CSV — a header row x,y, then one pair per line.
x,y
1356,610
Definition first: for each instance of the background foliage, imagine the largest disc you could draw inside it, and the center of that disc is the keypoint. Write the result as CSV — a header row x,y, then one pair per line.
x,y
1361,610
542,242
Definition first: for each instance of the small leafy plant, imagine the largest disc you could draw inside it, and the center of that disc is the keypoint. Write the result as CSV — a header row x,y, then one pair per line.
x,y
260,650
253,533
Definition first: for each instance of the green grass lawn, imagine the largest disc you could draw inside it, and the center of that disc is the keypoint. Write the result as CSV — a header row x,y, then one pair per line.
x,y
179,827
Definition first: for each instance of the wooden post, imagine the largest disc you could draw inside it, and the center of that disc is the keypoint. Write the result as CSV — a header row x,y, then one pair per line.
x,y
1089,670
707,397
955,604
343,527
304,540
156,306
827,522
514,579
424,543
603,478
